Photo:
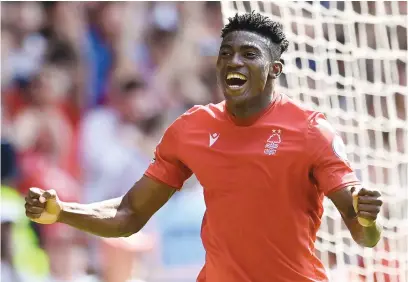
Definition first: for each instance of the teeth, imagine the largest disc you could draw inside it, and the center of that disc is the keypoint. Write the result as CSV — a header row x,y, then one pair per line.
x,y
236,75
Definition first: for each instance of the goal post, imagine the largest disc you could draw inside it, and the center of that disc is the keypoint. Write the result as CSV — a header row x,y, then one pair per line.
x,y
348,59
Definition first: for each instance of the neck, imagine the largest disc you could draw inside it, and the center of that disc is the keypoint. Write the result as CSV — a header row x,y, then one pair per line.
x,y
252,106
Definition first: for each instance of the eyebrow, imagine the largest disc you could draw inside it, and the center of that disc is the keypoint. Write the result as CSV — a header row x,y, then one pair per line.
x,y
245,46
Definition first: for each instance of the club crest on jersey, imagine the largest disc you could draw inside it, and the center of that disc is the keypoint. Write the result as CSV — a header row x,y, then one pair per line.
x,y
272,144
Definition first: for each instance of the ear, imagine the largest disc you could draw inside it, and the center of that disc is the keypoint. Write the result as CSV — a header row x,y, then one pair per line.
x,y
275,69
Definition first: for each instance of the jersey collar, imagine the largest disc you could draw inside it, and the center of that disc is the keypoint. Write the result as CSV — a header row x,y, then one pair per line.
x,y
252,119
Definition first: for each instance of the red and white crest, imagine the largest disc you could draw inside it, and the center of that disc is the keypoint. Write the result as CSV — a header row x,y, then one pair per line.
x,y
273,142
275,137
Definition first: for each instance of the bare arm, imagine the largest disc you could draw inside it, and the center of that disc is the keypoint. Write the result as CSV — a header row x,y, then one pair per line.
x,y
122,216
368,207
118,217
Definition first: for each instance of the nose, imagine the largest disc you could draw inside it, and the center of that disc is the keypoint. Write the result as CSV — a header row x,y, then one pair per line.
x,y
235,61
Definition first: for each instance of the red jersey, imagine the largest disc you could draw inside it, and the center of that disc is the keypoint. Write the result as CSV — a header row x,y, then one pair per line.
x,y
264,182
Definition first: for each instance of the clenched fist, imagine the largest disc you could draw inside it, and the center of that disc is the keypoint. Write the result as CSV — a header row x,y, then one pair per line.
x,y
367,205
42,206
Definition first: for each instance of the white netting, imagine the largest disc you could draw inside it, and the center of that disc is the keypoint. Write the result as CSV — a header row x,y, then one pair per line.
x,y
349,60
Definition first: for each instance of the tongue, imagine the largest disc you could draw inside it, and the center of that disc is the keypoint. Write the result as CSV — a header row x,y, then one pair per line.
x,y
235,82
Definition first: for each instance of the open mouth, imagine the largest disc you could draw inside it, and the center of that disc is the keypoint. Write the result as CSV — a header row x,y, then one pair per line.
x,y
235,80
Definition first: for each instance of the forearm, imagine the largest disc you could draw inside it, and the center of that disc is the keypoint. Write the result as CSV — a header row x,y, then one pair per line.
x,y
109,218
364,236
368,205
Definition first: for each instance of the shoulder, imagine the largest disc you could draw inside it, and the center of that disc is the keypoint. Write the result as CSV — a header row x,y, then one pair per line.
x,y
200,115
317,130
204,111
321,137
315,121
298,112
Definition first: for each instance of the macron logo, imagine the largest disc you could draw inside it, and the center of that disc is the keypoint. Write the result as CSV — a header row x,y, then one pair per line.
x,y
213,138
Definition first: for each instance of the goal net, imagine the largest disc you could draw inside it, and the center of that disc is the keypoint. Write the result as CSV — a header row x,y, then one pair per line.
x,y
349,60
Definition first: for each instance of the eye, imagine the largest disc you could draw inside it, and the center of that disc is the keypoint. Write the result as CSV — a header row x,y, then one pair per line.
x,y
250,55
225,53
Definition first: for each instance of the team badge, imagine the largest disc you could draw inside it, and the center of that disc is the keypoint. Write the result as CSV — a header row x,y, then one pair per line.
x,y
272,144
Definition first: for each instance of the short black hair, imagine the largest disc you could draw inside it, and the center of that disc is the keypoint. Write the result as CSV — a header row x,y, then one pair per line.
x,y
257,23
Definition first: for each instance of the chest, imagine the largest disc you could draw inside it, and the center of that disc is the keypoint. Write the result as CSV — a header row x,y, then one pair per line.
x,y
232,157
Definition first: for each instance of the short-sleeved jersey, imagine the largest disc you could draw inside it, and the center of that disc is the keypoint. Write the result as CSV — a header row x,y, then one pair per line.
x,y
264,182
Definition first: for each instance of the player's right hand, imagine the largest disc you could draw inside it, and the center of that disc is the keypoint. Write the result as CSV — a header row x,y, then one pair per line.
x,y
42,206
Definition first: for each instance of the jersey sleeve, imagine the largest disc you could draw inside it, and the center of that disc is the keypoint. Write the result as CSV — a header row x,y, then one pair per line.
x,y
330,167
166,166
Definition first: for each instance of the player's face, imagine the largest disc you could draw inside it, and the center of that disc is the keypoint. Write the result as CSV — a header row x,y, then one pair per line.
x,y
243,65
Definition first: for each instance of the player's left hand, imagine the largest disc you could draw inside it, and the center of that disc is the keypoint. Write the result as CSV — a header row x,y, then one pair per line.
x,y
367,204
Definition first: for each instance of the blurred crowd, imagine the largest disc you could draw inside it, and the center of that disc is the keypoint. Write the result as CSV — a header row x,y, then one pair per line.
x,y
87,89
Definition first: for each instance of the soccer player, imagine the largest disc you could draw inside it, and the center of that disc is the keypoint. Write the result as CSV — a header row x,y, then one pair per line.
x,y
264,161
